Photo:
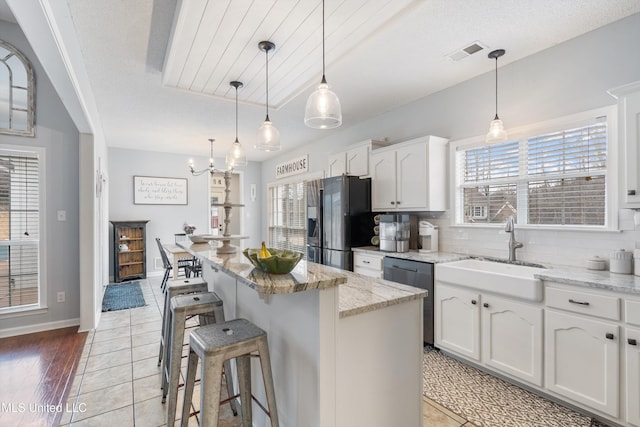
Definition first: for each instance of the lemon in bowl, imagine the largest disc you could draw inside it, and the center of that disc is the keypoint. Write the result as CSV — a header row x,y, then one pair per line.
x,y
279,262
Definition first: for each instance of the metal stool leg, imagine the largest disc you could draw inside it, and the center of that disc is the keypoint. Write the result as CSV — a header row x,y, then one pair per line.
x,y
189,383
267,378
210,381
244,379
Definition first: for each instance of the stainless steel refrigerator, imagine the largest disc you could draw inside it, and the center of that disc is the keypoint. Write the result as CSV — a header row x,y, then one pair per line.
x,y
338,218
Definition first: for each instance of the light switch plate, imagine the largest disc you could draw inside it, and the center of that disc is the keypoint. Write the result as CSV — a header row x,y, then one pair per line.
x,y
62,215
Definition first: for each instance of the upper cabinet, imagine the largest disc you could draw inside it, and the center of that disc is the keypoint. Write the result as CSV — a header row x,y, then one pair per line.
x,y
354,161
410,176
628,97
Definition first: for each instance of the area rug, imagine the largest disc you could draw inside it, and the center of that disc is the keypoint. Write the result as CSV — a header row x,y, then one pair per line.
x,y
488,401
120,296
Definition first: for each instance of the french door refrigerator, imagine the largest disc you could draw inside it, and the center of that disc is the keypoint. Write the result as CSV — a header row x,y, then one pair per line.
x,y
341,218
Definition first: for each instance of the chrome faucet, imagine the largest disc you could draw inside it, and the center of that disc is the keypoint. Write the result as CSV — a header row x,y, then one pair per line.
x,y
513,244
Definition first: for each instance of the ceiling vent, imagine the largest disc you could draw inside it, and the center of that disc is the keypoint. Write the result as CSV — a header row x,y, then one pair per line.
x,y
465,52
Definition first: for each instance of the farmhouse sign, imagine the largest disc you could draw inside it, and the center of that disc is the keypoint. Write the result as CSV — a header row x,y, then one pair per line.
x,y
293,167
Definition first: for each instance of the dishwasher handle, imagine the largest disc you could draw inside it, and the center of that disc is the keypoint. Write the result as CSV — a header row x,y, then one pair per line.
x,y
413,270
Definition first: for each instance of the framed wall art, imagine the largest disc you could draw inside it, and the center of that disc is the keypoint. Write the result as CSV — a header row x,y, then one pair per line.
x,y
156,190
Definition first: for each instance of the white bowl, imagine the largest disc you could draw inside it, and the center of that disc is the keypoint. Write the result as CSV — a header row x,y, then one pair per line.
x,y
196,238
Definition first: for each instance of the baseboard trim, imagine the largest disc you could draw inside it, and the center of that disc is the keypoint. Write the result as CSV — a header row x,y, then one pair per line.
x,y
40,327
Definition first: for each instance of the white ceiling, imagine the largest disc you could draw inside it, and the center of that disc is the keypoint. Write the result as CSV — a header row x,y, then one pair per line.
x,y
381,54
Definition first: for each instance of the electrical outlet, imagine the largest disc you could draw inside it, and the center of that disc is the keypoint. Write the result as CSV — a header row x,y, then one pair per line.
x,y
61,296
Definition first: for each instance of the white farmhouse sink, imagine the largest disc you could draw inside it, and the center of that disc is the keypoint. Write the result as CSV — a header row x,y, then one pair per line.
x,y
507,279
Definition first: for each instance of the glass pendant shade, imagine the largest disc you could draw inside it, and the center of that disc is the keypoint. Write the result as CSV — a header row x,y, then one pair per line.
x,y
496,131
236,156
268,137
323,108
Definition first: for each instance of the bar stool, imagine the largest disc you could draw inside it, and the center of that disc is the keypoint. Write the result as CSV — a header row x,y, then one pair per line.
x,y
173,288
215,345
208,306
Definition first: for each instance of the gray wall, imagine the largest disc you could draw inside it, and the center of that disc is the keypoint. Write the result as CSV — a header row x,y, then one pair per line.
x,y
568,78
165,220
56,132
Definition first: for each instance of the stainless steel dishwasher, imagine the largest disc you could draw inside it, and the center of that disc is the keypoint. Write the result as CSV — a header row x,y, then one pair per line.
x,y
417,274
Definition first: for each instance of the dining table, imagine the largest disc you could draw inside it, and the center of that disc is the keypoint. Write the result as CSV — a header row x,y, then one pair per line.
x,y
177,254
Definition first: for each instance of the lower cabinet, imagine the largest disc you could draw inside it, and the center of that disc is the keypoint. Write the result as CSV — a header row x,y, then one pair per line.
x,y
632,375
457,320
512,338
582,360
500,333
580,346
368,264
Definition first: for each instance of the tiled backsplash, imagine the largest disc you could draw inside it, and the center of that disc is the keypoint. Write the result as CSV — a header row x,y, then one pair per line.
x,y
572,248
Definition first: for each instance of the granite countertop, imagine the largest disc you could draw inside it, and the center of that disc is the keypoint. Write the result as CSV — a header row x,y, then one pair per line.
x,y
623,283
305,276
432,257
362,294
356,294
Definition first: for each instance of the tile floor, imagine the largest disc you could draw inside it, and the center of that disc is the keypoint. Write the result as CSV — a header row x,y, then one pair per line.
x,y
118,380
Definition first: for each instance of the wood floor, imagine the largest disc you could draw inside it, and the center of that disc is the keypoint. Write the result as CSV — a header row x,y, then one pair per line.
x,y
37,371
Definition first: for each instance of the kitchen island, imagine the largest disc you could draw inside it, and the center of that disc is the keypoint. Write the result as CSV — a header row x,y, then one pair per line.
x,y
346,350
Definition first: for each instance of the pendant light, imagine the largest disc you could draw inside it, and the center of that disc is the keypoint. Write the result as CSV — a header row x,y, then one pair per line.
x,y
236,157
268,135
323,106
496,128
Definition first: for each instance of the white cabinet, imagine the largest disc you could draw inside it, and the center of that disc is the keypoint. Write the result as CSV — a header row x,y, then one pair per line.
x,y
410,176
354,160
629,135
632,374
512,338
368,264
457,320
582,360
501,334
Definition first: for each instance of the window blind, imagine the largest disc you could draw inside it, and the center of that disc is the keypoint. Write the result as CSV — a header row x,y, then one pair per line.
x,y
557,178
19,228
287,216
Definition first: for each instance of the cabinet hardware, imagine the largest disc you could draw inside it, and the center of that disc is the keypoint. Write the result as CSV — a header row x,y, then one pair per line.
x,y
474,302
397,202
366,262
631,192
393,203
609,336
485,305
572,301
632,341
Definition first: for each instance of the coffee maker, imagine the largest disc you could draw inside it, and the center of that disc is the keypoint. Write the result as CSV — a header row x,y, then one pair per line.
x,y
398,233
427,237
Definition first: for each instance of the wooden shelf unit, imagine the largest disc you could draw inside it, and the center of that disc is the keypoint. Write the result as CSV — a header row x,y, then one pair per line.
x,y
131,263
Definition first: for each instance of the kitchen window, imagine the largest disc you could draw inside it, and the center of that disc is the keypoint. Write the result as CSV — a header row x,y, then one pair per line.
x,y
21,287
549,175
287,216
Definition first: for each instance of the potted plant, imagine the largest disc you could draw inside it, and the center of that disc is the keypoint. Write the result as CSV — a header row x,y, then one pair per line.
x,y
188,228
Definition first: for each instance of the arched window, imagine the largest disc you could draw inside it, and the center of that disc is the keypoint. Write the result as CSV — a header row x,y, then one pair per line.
x,y
17,97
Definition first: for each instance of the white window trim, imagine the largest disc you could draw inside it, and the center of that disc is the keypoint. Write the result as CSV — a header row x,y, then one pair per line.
x,y
612,181
42,307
